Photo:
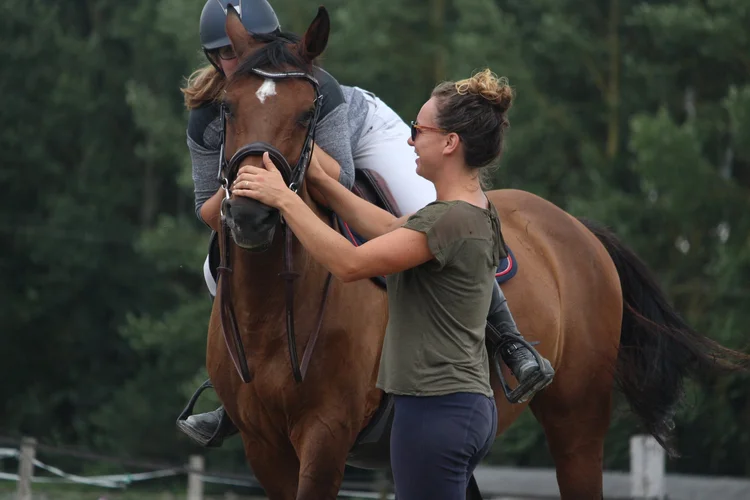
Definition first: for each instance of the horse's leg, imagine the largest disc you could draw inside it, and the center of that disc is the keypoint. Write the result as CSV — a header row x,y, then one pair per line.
x,y
322,443
575,434
275,466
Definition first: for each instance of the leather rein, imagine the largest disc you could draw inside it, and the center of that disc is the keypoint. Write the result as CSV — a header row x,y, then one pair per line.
x,y
295,177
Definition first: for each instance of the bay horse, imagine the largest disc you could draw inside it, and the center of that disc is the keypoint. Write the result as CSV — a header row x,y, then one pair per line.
x,y
593,305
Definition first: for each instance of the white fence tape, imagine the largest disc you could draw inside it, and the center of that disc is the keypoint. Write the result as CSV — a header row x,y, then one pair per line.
x,y
110,481
123,480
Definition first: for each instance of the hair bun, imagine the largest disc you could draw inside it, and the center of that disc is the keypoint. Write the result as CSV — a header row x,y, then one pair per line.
x,y
488,85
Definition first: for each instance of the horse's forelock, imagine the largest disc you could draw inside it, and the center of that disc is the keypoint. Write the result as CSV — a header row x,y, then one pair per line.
x,y
278,53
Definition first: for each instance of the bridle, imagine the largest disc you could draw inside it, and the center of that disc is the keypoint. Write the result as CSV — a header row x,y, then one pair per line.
x,y
294,176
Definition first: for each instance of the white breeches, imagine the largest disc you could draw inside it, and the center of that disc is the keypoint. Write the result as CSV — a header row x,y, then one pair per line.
x,y
383,148
210,283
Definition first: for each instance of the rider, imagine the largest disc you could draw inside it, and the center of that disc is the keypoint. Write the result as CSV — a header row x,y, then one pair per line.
x,y
355,128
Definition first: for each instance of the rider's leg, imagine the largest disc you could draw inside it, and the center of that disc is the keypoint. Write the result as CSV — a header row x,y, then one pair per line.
x,y
518,357
208,429
208,276
383,148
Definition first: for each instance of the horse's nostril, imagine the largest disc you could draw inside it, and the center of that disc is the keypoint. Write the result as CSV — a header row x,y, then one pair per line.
x,y
251,223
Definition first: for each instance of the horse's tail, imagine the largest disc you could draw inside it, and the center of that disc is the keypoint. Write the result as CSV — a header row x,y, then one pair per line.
x,y
658,349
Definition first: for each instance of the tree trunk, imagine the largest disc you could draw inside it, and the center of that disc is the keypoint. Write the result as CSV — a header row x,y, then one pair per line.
x,y
437,22
613,85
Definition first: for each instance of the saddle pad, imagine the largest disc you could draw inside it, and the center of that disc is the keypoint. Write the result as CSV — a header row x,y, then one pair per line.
x,y
506,269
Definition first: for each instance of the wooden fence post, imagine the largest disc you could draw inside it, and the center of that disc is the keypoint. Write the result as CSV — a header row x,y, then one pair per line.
x,y
647,465
195,481
383,485
26,468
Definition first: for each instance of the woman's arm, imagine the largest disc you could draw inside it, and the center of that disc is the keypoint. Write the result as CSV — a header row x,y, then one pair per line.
x,y
365,218
391,253
210,209
204,156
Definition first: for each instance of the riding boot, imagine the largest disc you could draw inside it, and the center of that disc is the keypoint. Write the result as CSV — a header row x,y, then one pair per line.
x,y
207,429
532,372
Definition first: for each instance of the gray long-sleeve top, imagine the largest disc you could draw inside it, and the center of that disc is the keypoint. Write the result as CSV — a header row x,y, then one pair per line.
x,y
338,131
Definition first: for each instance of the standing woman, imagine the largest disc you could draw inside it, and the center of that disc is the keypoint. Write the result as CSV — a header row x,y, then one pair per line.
x,y
440,265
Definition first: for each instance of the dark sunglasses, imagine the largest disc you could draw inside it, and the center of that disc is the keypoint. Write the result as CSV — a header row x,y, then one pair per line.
x,y
416,128
226,53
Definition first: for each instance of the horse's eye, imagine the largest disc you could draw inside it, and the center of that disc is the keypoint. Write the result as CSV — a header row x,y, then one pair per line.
x,y
304,119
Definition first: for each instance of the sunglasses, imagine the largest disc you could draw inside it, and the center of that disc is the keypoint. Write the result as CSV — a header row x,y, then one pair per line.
x,y
226,53
416,128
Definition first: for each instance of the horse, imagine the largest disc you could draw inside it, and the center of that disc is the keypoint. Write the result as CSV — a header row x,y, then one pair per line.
x,y
591,303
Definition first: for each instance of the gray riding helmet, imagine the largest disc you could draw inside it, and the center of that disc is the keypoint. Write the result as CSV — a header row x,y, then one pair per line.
x,y
257,16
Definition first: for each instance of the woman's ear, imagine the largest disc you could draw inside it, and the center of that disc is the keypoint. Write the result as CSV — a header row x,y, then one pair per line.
x,y
452,143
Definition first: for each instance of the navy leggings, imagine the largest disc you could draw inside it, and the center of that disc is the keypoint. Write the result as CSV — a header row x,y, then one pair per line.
x,y
437,441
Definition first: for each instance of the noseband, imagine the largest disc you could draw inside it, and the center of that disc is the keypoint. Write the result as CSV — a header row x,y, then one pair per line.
x,y
294,178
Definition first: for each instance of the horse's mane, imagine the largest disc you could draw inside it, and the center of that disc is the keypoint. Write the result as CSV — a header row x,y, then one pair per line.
x,y
277,54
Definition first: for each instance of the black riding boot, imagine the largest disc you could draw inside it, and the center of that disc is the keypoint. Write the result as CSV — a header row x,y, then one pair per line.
x,y
208,429
532,371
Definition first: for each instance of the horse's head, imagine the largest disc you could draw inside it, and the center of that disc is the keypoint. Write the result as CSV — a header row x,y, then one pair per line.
x,y
270,104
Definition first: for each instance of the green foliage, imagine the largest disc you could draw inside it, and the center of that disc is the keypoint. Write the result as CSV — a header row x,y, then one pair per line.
x,y
633,113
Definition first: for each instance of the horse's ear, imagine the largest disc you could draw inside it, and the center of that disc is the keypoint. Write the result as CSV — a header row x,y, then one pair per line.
x,y
316,37
239,37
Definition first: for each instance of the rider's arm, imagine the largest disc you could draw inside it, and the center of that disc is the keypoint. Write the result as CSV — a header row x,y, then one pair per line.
x,y
332,133
209,211
203,144
362,216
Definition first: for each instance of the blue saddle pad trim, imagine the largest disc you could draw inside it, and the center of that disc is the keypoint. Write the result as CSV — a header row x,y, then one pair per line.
x,y
507,268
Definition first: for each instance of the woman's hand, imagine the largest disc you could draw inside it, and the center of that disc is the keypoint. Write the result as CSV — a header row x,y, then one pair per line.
x,y
263,184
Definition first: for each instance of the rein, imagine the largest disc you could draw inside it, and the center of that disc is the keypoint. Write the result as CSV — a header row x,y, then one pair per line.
x,y
294,176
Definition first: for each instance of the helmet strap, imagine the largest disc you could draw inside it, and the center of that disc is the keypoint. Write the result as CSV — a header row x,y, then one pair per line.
x,y
213,63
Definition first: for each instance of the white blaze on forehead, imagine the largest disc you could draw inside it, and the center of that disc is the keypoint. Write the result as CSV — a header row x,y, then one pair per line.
x,y
266,90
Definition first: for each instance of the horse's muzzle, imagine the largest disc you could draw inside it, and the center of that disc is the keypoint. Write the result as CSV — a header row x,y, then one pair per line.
x,y
251,223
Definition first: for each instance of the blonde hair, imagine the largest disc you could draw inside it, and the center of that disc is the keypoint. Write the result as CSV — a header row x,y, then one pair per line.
x,y
202,86
488,85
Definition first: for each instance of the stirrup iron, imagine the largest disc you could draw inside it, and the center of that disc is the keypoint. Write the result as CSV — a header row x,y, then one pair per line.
x,y
215,440
521,393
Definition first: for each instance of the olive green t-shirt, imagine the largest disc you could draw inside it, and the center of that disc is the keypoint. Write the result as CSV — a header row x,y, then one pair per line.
x,y
434,342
